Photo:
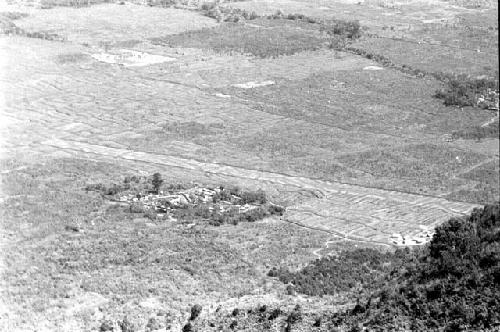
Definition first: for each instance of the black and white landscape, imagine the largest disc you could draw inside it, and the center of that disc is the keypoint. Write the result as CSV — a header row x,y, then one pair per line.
x,y
251,165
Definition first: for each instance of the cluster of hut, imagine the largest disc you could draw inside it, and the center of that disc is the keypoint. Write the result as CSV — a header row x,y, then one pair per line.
x,y
162,202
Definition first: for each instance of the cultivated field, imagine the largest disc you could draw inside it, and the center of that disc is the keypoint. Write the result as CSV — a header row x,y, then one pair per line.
x,y
346,133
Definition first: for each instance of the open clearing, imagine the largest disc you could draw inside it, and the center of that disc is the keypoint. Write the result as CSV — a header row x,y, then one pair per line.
x,y
359,157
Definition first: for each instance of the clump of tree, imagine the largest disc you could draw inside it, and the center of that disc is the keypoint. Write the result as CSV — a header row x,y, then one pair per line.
x,y
234,217
227,14
237,196
129,183
465,91
341,32
157,181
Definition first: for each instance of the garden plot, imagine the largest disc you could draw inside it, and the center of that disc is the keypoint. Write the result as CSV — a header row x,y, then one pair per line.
x,y
375,218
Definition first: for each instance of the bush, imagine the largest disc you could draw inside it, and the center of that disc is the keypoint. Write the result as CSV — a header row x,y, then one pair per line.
x,y
103,189
157,182
195,311
275,314
340,32
253,197
222,195
188,327
207,6
346,29
136,208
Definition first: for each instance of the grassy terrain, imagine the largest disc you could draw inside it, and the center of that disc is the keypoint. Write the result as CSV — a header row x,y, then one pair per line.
x,y
485,186
70,244
478,132
349,125
260,42
432,58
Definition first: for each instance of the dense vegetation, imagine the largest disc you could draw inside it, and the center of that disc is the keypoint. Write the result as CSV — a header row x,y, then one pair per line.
x,y
361,269
453,284
464,91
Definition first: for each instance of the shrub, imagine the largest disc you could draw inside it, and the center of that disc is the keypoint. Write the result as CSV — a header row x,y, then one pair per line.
x,y
157,182
176,187
276,209
346,29
296,315
275,314
106,325
99,187
195,311
130,179
250,197
295,16
136,208
188,327
277,15
126,325
340,32
103,189
207,6
222,195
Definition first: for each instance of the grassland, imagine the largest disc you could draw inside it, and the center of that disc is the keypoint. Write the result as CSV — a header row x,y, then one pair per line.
x,y
271,41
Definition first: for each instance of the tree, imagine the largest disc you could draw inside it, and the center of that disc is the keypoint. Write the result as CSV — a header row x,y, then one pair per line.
x,y
195,311
157,182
